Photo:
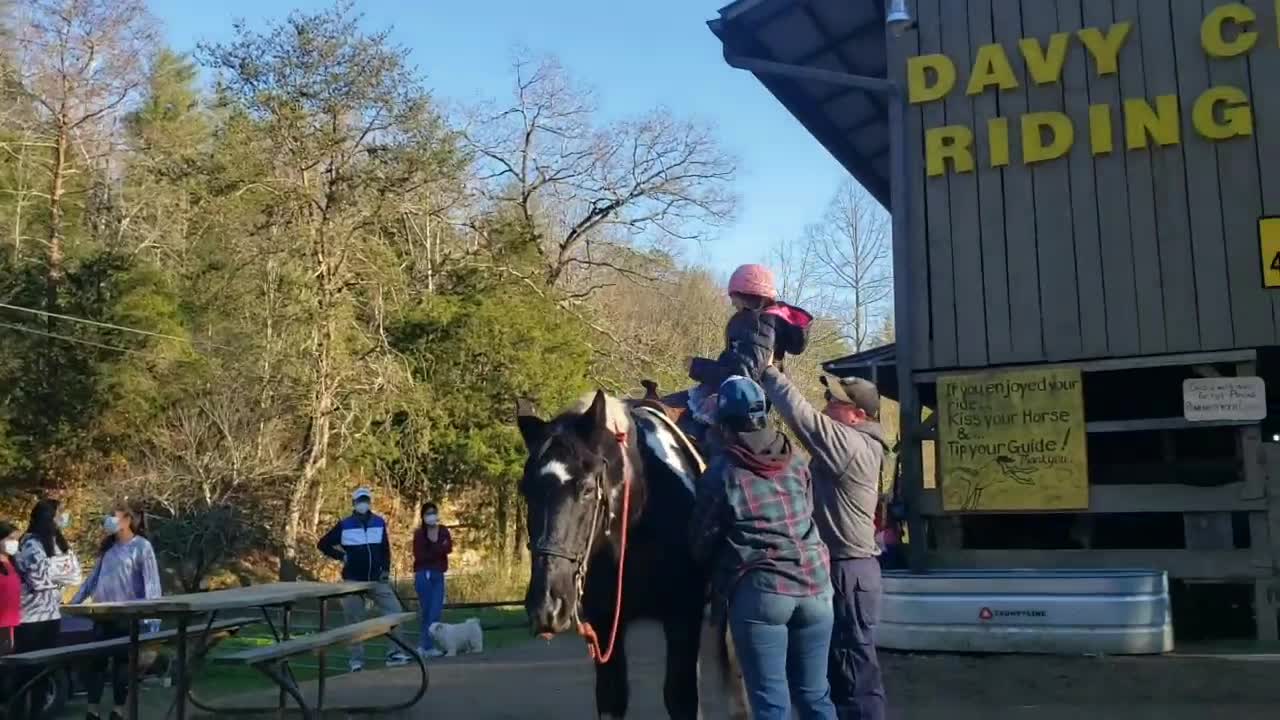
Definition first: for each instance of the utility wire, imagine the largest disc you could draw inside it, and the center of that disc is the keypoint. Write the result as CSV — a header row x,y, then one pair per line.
x,y
90,343
86,321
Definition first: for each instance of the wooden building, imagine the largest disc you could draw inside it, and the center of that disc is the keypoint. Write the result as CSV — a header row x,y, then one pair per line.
x,y
1085,186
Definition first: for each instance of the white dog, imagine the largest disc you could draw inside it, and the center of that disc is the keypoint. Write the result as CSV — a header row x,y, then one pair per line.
x,y
467,637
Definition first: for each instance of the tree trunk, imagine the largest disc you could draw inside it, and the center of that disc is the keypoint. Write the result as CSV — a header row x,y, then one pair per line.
x,y
518,537
57,188
317,502
502,519
315,451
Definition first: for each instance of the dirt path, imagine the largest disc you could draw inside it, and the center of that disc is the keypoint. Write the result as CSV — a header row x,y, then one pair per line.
x,y
554,682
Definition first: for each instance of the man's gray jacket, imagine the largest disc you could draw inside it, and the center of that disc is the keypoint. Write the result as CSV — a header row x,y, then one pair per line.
x,y
846,465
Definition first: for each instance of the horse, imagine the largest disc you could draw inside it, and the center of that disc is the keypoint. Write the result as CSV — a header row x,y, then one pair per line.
x,y
609,490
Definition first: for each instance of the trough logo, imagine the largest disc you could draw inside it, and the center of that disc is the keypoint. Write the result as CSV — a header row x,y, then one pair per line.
x,y
987,613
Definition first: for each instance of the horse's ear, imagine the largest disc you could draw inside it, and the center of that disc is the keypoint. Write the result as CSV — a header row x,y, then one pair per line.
x,y
595,420
526,407
532,428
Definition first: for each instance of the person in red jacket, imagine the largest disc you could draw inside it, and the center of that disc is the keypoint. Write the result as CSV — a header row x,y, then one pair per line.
x,y
431,547
10,587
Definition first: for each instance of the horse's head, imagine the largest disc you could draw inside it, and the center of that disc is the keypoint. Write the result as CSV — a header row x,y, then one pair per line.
x,y
575,466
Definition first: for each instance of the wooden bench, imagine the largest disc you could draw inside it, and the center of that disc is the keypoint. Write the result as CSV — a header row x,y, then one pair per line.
x,y
272,660
53,659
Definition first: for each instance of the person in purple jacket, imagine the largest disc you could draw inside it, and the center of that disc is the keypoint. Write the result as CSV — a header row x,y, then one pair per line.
x,y
126,570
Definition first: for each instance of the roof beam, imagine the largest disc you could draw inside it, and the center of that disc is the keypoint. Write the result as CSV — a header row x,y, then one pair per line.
x,y
877,100
744,50
798,72
833,44
872,119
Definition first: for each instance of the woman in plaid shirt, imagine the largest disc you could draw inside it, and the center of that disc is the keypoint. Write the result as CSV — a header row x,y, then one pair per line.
x,y
753,525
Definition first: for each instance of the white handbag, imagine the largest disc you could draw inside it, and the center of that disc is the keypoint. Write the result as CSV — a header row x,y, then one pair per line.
x,y
64,569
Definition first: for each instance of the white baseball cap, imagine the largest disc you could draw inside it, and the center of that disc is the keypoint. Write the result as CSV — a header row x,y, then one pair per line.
x,y
363,492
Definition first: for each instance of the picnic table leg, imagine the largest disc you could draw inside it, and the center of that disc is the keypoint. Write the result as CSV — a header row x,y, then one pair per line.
x,y
324,616
133,668
184,682
285,680
285,613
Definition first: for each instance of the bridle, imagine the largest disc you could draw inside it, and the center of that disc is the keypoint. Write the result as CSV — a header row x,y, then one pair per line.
x,y
582,560
581,557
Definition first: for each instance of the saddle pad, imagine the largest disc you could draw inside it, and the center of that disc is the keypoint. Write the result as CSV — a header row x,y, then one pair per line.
x,y
685,443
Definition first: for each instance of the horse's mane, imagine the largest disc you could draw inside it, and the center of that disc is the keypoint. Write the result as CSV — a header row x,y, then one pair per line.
x,y
619,417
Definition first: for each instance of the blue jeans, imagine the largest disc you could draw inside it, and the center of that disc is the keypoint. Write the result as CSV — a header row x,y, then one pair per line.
x,y
782,644
430,587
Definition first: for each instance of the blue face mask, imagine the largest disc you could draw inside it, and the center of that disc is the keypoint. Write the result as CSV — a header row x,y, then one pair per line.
x,y
362,508
63,521
111,524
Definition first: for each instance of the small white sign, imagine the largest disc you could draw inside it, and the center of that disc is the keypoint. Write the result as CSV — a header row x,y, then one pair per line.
x,y
1228,398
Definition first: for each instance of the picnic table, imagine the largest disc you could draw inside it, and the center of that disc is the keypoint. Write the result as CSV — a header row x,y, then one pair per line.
x,y
183,609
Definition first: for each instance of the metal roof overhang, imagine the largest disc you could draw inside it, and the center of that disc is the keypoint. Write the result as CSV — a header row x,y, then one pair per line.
x,y
880,366
842,36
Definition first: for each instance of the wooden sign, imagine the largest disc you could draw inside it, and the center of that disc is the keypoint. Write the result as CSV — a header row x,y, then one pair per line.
x,y
1013,441
1224,399
1269,240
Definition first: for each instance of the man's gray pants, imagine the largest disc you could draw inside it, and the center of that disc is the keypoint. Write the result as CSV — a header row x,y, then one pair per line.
x,y
384,598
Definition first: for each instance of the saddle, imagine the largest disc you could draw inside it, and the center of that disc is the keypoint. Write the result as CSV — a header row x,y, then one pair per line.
x,y
675,407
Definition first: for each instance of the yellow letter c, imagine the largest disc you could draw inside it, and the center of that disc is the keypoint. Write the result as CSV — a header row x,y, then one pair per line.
x,y
1211,31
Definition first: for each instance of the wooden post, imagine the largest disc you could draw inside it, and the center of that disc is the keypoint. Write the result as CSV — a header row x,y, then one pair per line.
x,y
1260,467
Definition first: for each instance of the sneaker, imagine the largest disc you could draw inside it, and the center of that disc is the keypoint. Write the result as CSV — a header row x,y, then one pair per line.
x,y
397,658
355,665
431,653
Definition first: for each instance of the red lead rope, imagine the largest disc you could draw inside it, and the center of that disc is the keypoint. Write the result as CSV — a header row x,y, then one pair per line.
x,y
587,632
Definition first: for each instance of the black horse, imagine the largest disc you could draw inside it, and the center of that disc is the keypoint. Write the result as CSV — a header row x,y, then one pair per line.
x,y
575,486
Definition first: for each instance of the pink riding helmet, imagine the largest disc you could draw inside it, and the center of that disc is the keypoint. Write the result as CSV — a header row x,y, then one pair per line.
x,y
753,279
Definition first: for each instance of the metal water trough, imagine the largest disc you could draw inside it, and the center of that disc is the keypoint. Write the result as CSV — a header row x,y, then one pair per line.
x,y
1059,612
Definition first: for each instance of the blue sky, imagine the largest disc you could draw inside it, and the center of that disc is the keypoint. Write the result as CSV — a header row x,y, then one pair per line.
x,y
636,55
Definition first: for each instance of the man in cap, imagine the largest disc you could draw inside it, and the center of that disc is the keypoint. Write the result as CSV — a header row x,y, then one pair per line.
x,y
847,447
361,542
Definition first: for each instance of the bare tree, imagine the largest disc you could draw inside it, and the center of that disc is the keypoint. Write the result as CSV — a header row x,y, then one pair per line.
x,y
852,244
79,63
802,280
586,190
204,465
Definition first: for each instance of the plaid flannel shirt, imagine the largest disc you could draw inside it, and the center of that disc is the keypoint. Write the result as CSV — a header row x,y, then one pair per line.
x,y
761,529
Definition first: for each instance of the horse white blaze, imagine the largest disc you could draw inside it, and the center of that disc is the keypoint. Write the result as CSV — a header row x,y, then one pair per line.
x,y
557,470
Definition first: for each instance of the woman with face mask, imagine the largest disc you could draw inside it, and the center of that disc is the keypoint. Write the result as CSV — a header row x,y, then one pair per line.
x,y
126,570
431,547
48,567
10,587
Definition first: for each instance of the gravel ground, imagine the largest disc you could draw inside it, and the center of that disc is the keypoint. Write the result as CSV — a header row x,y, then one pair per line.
x,y
541,681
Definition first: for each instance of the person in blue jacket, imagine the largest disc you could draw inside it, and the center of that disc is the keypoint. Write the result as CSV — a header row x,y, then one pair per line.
x,y
362,543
